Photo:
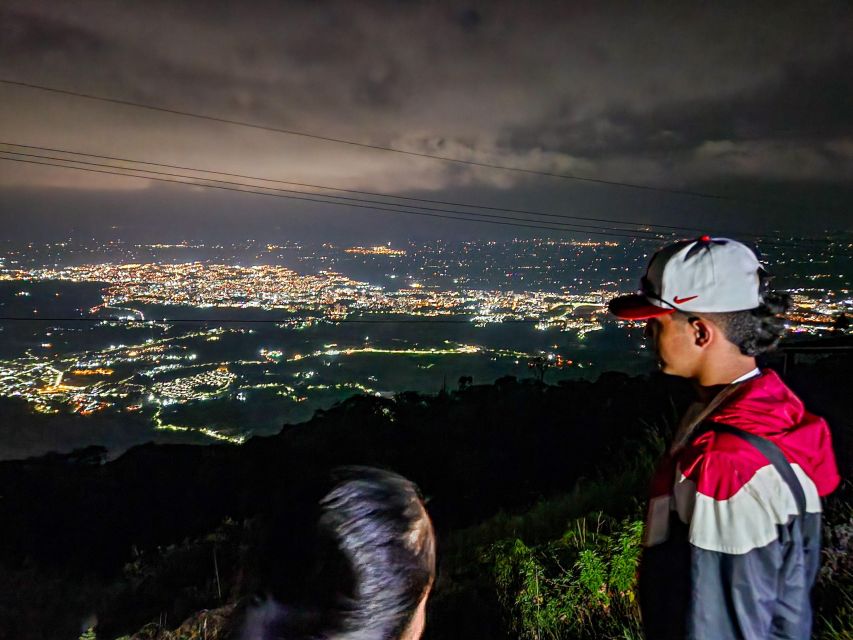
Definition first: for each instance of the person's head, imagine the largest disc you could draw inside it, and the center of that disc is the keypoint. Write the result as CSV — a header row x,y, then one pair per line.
x,y
379,525
364,574
707,307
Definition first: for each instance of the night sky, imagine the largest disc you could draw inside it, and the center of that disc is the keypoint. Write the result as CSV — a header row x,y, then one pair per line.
x,y
751,101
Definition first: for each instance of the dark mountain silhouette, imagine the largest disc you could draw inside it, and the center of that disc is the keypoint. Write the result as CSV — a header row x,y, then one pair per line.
x,y
171,529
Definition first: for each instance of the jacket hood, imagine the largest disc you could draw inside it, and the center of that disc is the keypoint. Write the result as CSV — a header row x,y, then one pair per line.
x,y
765,406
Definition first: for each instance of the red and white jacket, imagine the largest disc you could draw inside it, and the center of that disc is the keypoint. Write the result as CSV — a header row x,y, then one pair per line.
x,y
727,552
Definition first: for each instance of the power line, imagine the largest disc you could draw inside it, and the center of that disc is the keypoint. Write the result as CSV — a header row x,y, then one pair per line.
x,y
310,195
364,145
315,197
193,181
254,320
355,191
252,189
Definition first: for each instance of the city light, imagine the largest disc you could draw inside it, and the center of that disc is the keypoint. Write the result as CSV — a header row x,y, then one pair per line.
x,y
548,285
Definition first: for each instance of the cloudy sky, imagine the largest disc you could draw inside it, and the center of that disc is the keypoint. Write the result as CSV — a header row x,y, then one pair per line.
x,y
751,101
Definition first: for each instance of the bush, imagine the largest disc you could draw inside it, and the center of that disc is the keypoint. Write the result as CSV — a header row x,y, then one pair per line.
x,y
581,586
834,588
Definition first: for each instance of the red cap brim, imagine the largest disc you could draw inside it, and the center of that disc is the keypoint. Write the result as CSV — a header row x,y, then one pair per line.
x,y
636,307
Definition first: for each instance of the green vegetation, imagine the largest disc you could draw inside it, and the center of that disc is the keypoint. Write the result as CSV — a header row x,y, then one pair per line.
x,y
834,589
565,568
538,503
581,586
564,571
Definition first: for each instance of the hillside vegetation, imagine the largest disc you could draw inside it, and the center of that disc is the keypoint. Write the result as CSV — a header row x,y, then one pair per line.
x,y
536,490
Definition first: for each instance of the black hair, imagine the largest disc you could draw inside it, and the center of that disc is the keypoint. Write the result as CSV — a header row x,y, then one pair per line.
x,y
756,331
372,562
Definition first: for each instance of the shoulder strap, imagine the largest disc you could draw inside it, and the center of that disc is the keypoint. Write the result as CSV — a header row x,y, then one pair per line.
x,y
687,431
774,455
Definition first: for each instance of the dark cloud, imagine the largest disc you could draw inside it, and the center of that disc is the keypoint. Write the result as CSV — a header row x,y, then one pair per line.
x,y
469,19
811,103
669,94
21,35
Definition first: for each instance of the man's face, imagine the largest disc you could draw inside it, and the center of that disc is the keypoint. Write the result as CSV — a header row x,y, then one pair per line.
x,y
674,341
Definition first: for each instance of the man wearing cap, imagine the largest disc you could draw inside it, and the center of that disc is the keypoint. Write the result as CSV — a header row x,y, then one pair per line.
x,y
732,539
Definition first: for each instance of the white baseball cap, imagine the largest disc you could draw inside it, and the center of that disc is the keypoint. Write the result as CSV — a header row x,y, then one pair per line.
x,y
710,275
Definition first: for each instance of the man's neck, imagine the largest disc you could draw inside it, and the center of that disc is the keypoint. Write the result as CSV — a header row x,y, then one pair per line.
x,y
712,378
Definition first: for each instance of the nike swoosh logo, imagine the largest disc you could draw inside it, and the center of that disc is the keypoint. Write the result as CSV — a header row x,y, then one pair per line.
x,y
678,300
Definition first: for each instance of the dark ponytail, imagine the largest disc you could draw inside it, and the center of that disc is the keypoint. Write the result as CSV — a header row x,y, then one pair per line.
x,y
757,331
363,570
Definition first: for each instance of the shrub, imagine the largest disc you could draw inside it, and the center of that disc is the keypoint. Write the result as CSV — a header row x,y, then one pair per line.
x,y
834,588
580,586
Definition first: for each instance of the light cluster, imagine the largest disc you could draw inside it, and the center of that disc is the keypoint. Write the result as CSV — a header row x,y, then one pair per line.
x,y
553,285
276,288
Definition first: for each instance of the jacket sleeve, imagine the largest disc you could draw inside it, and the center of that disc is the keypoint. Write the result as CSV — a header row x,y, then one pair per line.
x,y
746,553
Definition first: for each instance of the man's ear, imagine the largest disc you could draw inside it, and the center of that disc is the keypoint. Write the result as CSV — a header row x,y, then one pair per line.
x,y
703,331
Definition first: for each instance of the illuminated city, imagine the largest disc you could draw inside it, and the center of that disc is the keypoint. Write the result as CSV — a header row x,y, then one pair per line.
x,y
300,338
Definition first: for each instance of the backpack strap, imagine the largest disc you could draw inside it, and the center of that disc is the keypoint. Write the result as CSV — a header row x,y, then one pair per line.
x,y
774,454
